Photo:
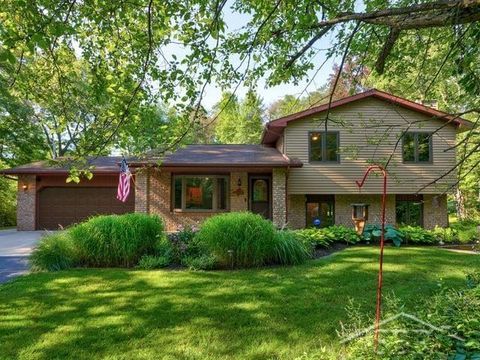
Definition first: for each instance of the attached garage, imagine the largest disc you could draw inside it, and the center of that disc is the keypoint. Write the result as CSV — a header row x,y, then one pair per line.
x,y
63,206
46,201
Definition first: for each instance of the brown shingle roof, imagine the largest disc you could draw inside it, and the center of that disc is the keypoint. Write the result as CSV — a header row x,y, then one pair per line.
x,y
188,156
224,156
102,165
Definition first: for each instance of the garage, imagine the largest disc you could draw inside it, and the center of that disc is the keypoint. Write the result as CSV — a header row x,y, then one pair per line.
x,y
47,200
63,206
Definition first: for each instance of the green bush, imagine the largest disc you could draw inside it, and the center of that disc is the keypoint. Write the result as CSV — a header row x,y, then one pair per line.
x,y
54,252
149,262
467,231
314,238
200,262
238,239
243,239
418,235
445,235
183,244
103,241
289,249
116,240
324,237
373,232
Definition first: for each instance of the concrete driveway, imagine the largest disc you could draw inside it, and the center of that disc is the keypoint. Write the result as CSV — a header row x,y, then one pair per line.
x,y
15,246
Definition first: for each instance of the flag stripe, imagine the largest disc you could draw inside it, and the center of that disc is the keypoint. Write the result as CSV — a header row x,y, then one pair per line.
x,y
123,189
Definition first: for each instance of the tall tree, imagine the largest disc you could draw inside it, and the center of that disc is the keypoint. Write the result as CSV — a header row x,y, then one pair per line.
x,y
227,118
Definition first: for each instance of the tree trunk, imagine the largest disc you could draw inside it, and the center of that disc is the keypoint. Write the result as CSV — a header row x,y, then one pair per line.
x,y
460,204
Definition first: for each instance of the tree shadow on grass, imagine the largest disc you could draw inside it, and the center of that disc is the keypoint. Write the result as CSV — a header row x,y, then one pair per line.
x,y
256,313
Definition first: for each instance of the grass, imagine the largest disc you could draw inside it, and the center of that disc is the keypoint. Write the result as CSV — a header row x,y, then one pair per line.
x,y
283,312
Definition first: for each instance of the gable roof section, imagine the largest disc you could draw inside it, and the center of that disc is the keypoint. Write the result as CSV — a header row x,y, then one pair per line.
x,y
191,156
223,156
274,128
102,165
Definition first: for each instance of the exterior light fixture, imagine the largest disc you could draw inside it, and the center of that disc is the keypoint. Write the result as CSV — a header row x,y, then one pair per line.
x,y
239,182
314,137
360,216
24,187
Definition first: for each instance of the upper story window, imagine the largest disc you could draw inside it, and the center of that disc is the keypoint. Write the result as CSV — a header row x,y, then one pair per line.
x,y
324,146
417,147
200,193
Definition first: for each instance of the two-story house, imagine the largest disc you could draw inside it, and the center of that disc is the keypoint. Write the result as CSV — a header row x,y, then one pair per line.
x,y
303,170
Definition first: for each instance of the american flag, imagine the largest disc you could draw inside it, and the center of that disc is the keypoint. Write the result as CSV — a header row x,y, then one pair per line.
x,y
124,181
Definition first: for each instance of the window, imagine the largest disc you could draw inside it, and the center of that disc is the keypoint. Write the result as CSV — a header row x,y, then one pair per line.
x,y
409,210
417,147
321,207
200,193
324,146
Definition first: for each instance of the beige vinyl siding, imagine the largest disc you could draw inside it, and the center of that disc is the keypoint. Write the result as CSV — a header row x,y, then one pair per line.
x,y
369,130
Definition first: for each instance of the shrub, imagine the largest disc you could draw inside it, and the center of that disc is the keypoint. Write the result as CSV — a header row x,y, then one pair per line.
x,y
238,239
418,235
116,240
54,252
289,250
467,231
445,235
323,238
182,243
373,232
149,262
200,262
113,240
314,238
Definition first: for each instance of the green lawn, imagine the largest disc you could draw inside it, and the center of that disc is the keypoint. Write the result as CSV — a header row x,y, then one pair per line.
x,y
267,313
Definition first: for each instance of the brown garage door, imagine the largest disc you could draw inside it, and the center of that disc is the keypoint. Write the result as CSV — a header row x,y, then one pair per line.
x,y
66,206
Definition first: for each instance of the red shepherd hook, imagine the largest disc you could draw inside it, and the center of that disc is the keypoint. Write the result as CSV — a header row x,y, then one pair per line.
x,y
382,240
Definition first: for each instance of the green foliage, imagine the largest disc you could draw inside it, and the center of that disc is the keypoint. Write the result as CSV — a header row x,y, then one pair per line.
x,y
445,235
373,232
183,244
418,235
450,310
243,239
239,239
8,202
200,262
150,262
116,240
54,252
324,237
289,250
239,122
467,231
103,241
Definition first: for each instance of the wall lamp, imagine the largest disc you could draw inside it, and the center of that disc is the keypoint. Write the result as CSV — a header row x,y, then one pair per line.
x,y
239,182
24,187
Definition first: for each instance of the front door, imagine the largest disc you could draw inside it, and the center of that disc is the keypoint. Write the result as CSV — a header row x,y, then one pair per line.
x,y
260,200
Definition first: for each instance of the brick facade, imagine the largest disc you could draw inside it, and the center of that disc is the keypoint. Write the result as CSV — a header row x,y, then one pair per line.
x,y
297,211
279,197
435,212
26,202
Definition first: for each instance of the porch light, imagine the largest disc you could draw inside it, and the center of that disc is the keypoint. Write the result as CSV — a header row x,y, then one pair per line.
x,y
239,182
360,216
24,187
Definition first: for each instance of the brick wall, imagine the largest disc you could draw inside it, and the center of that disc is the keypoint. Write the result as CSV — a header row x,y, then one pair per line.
x,y
435,211
238,194
343,208
141,191
279,193
26,203
296,211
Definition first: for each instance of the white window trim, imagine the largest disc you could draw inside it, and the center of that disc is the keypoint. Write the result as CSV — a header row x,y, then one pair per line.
x,y
214,195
